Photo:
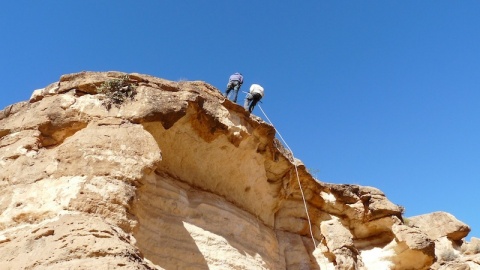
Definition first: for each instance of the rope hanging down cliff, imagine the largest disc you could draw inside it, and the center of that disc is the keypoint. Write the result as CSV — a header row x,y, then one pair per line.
x,y
298,177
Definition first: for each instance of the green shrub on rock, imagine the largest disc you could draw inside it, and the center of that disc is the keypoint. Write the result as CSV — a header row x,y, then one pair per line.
x,y
117,91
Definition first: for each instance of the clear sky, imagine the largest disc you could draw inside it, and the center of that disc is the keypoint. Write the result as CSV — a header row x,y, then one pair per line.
x,y
375,93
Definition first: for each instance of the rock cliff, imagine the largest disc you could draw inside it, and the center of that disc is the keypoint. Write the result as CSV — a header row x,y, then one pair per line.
x,y
107,170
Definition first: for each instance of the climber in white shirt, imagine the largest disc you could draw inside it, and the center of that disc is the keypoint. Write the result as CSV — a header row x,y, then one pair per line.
x,y
255,94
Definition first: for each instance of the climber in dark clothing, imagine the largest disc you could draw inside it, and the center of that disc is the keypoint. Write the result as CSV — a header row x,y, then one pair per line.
x,y
234,83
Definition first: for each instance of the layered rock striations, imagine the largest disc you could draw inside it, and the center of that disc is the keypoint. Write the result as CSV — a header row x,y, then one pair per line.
x,y
173,176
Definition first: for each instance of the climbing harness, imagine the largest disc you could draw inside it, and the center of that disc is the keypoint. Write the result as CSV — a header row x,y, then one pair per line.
x,y
298,177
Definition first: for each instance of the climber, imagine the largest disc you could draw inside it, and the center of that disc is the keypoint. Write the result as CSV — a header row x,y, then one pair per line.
x,y
254,96
234,83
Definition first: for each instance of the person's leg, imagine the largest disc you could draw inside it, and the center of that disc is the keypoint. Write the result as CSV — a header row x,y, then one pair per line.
x,y
248,99
255,99
229,88
235,91
252,105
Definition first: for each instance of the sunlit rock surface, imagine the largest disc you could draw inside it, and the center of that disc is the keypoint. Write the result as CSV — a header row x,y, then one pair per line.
x,y
180,178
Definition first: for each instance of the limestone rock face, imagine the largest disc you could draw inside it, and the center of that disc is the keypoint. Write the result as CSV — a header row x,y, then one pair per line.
x,y
177,177
448,233
414,249
440,224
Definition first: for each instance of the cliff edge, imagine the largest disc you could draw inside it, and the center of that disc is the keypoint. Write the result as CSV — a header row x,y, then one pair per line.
x,y
110,170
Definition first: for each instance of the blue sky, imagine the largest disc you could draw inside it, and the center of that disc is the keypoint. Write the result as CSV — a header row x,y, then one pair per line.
x,y
375,93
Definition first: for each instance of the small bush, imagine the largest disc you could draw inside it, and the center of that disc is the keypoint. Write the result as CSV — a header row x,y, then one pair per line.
x,y
117,91
448,255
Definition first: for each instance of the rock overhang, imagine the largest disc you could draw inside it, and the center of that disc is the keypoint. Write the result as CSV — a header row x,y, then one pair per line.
x,y
186,132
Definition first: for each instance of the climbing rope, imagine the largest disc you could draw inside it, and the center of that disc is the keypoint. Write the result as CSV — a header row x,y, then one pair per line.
x,y
298,177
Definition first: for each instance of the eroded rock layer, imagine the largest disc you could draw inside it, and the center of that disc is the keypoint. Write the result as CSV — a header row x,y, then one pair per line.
x,y
177,177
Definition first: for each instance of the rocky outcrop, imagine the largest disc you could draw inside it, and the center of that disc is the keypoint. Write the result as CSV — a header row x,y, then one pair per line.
x,y
177,177
448,234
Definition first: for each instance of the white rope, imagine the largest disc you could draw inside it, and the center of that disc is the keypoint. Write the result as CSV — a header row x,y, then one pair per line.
x,y
298,177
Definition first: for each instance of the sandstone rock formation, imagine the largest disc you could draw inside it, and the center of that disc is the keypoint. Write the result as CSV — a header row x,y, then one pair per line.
x,y
180,178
